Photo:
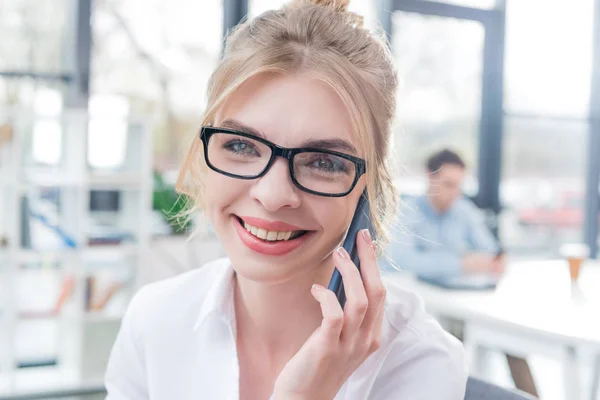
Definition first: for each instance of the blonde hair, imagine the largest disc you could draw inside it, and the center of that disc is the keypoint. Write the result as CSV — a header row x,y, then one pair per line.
x,y
321,38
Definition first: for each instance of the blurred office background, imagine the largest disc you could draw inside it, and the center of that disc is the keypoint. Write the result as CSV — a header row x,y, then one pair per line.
x,y
99,98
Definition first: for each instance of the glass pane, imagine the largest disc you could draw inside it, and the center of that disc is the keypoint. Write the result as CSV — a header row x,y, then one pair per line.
x,y
238,155
543,184
31,94
439,101
548,68
484,4
156,57
33,35
324,173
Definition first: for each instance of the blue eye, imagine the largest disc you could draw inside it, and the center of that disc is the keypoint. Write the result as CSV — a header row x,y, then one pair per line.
x,y
241,147
330,164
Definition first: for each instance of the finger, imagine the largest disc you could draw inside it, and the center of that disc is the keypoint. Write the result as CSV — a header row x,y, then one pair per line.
x,y
371,278
356,297
333,315
376,328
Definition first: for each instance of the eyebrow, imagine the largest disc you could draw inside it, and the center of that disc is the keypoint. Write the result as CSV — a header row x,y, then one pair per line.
x,y
331,144
325,144
238,126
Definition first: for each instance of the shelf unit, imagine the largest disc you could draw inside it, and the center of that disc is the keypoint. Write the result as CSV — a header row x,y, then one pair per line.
x,y
56,237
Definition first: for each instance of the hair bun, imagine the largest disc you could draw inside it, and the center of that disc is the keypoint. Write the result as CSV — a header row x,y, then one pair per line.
x,y
338,5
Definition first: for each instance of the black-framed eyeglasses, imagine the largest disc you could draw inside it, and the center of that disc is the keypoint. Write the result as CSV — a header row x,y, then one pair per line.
x,y
244,156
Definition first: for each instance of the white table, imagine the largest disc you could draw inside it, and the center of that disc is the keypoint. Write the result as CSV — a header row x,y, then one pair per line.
x,y
534,310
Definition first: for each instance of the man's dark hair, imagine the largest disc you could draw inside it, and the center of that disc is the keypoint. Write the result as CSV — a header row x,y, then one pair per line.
x,y
443,157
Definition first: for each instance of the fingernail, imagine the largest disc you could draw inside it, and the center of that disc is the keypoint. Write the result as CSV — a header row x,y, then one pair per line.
x,y
367,236
316,286
343,253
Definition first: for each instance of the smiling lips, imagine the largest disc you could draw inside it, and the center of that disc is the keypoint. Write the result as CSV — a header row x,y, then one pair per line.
x,y
269,238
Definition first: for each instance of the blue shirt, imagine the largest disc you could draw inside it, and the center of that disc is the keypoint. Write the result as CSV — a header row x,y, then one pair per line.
x,y
431,244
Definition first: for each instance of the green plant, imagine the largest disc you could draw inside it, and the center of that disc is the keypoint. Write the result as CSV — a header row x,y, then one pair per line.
x,y
170,204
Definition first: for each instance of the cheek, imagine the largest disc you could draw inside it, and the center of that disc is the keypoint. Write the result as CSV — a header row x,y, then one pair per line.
x,y
216,200
334,219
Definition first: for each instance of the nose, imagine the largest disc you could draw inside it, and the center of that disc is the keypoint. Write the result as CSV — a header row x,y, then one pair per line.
x,y
275,189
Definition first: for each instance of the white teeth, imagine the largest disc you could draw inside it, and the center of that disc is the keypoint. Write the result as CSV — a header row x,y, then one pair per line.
x,y
272,235
268,235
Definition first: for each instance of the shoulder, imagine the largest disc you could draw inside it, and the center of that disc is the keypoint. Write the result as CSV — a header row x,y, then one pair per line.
x,y
419,359
176,299
196,282
410,203
410,209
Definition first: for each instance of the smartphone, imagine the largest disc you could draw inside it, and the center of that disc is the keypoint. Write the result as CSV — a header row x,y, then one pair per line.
x,y
499,253
361,220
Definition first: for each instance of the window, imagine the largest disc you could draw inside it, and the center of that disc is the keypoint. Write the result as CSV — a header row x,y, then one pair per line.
x,y
547,84
483,4
107,132
47,127
33,35
439,100
548,68
542,191
158,55
25,93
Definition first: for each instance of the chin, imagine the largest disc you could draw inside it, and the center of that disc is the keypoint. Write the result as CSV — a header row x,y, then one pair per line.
x,y
266,272
271,270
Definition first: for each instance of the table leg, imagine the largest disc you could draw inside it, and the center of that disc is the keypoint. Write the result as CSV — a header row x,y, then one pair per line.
x,y
521,374
476,354
478,360
571,375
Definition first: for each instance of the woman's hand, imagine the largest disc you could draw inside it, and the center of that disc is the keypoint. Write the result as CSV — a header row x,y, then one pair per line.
x,y
345,338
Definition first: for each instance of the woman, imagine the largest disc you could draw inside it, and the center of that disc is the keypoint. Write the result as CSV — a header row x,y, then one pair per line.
x,y
261,324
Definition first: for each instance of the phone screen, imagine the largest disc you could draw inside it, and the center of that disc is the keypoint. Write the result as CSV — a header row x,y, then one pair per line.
x,y
361,220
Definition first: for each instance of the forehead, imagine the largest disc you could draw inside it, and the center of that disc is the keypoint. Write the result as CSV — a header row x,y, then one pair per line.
x,y
451,172
289,109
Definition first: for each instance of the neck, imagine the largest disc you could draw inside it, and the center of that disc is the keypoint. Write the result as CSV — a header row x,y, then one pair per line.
x,y
432,201
279,318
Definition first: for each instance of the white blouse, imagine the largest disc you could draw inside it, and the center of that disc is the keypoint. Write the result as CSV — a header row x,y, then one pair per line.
x,y
177,341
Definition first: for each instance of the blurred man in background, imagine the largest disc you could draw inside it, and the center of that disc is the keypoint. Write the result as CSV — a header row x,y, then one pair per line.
x,y
441,233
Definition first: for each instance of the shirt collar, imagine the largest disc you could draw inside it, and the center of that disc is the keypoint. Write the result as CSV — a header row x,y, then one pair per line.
x,y
219,298
427,206
429,209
